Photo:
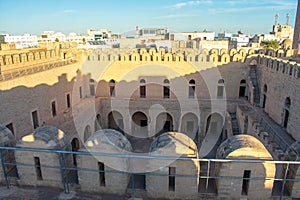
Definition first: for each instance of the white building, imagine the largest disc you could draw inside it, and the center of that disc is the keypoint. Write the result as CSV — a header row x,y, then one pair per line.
x,y
192,35
22,41
241,39
99,34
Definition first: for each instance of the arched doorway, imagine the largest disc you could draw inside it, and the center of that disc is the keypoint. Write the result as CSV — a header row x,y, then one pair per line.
x,y
97,122
265,90
192,88
112,91
220,88
286,110
115,121
139,127
164,123
242,92
87,133
214,123
75,147
189,125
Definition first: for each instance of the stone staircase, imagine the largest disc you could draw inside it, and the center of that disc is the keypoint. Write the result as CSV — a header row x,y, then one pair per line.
x,y
234,124
253,77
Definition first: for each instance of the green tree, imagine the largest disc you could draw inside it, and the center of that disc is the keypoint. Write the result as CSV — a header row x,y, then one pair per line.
x,y
83,40
56,40
270,44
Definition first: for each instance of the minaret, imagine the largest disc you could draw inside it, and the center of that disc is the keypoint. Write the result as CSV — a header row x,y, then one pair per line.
x,y
287,19
296,40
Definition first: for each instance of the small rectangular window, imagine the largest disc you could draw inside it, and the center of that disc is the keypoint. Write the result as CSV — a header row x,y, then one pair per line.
x,y
10,127
35,120
191,92
143,91
220,91
38,170
246,182
172,172
92,90
68,101
112,91
53,107
166,92
101,174
80,92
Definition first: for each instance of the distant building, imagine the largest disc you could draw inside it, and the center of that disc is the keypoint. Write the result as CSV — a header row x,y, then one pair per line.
x,y
150,32
205,35
22,41
99,34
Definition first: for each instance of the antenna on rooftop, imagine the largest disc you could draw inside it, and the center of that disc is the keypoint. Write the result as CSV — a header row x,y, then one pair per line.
x,y
288,18
276,18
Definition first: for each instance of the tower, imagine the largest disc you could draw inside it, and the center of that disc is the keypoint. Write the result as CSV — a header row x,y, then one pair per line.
x,y
276,18
287,19
297,29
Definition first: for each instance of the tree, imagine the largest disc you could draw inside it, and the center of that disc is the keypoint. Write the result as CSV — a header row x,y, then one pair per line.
x,y
270,44
56,40
83,40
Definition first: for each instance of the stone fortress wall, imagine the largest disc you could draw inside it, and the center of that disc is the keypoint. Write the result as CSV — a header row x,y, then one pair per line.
x,y
69,88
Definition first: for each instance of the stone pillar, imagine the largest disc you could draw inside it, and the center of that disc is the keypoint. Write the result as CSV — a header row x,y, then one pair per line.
x,y
297,29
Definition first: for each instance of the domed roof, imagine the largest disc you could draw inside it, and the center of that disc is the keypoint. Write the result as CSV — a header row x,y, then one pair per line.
x,y
110,137
6,137
243,147
287,41
174,143
49,136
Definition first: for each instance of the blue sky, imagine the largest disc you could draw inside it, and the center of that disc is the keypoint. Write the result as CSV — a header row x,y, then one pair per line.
x,y
35,16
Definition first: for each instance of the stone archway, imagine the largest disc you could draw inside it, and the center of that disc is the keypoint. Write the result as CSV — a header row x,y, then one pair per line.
x,y
189,125
87,133
115,121
164,123
139,125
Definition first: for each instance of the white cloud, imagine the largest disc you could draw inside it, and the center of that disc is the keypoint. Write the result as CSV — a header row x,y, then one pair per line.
x,y
190,3
68,11
175,16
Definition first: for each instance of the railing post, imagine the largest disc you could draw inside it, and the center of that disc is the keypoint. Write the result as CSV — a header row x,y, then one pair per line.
x,y
61,172
284,180
132,185
66,174
4,170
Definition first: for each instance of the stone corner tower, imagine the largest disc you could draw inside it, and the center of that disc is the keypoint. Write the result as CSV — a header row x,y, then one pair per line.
x,y
296,40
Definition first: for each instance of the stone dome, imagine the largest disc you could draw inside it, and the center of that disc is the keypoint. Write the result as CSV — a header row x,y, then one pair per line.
x,y
47,137
109,137
6,137
243,147
174,143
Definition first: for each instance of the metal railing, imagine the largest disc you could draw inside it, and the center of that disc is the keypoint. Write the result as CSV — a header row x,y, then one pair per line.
x,y
208,171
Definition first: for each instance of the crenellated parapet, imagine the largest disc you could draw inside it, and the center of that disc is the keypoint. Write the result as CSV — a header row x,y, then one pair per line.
x,y
27,57
152,55
216,56
280,66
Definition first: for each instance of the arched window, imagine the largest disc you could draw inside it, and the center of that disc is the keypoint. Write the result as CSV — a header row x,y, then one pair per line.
x,y
220,90
242,92
92,87
112,84
265,90
192,87
166,88
287,102
142,88
87,133
286,112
